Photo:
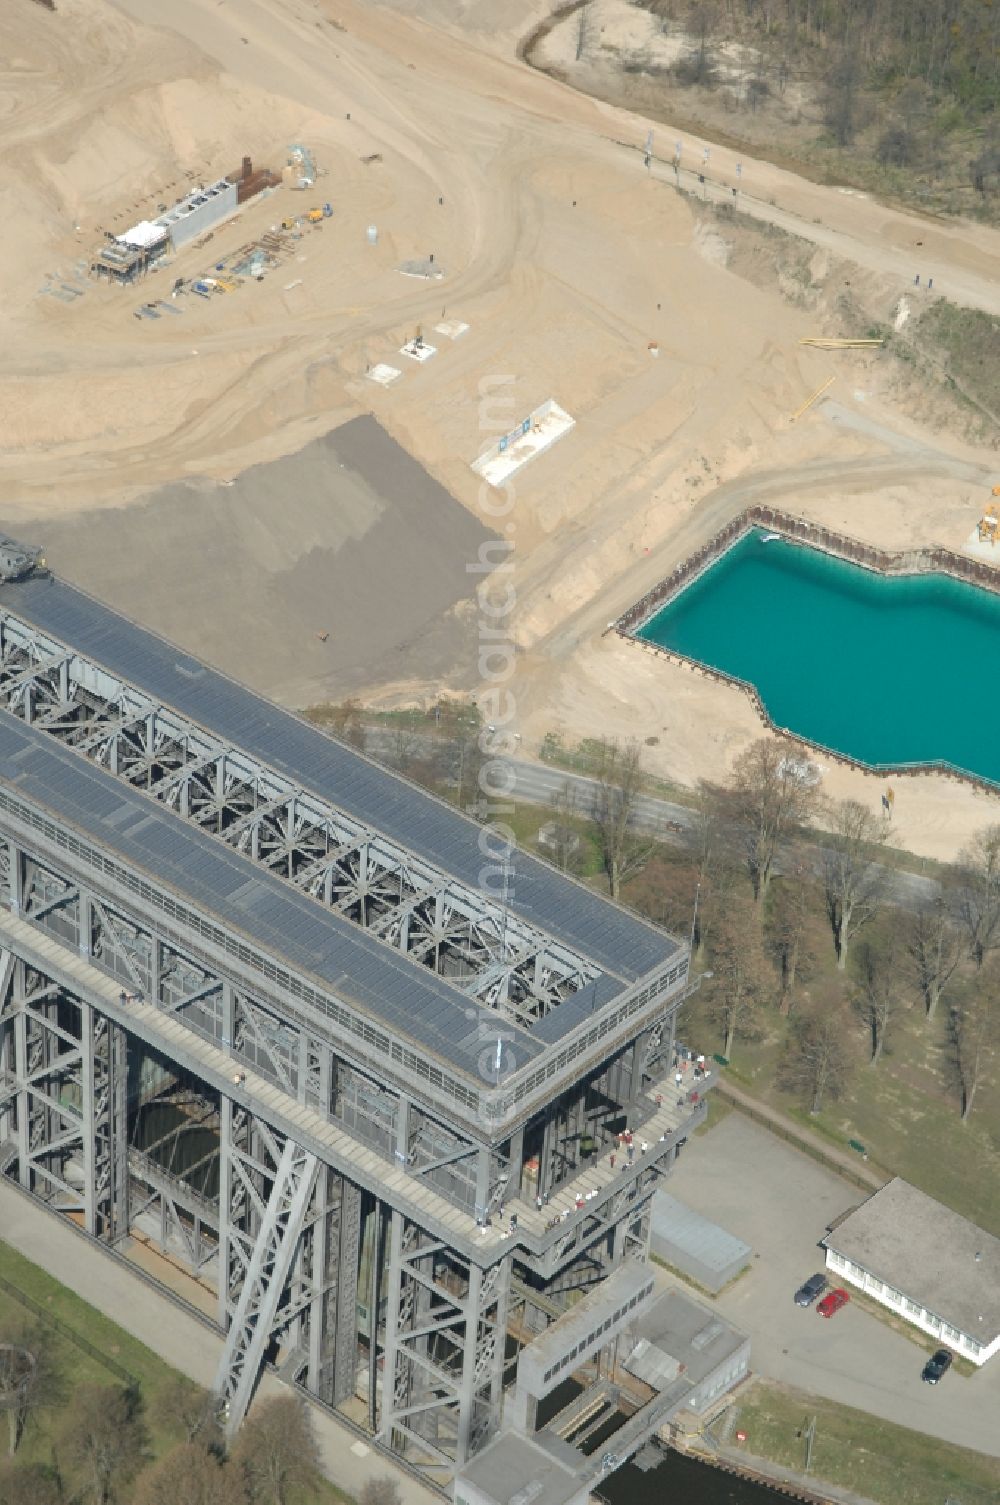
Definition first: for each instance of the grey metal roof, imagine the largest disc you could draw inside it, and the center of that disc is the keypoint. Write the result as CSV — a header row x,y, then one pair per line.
x,y
621,944
696,1337
594,1319
935,1257
286,924
517,1470
695,1235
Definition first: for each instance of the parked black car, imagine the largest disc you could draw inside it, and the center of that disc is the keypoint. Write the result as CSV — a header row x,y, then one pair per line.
x,y
937,1366
814,1286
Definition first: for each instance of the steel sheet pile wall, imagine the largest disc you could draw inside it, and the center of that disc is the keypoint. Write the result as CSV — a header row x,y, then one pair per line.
x,y
826,540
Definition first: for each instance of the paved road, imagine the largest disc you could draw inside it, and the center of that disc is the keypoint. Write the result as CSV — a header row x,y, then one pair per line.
x,y
668,821
179,1339
915,251
777,1199
540,784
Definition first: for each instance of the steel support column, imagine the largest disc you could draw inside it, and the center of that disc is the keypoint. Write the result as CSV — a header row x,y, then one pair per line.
x,y
274,1249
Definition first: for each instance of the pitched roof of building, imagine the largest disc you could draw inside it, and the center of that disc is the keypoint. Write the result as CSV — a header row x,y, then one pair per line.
x,y
934,1256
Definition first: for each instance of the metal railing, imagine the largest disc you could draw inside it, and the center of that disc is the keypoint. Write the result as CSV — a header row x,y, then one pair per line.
x,y
69,1333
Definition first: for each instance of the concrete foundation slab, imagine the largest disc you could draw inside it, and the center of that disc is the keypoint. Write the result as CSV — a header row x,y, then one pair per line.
x,y
418,351
383,374
539,432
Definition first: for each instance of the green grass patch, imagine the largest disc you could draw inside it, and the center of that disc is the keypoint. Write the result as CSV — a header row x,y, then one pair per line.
x,y
585,758
585,862
103,1348
968,341
859,1452
87,1348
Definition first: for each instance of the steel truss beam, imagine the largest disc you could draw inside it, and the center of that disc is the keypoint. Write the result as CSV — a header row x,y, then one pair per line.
x,y
445,1333
63,1115
284,1239
267,1271
296,1059
283,1236
497,957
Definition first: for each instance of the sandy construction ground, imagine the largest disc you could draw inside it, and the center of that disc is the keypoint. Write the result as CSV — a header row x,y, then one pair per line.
x,y
566,260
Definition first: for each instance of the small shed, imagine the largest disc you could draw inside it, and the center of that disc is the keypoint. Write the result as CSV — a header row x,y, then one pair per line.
x,y
700,1249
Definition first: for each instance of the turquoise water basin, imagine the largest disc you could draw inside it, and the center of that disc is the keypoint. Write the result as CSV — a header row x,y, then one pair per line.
x,y
888,671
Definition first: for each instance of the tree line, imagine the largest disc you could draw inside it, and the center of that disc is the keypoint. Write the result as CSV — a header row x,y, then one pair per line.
x,y
907,73
99,1441
758,933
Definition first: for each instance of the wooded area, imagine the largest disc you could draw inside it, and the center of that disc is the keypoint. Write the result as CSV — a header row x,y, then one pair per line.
x,y
908,85
100,1447
760,937
836,993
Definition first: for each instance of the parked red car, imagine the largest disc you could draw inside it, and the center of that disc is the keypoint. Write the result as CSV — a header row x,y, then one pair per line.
x,y
833,1302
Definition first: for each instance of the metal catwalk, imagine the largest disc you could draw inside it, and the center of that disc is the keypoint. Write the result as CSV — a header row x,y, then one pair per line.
x,y
413,1089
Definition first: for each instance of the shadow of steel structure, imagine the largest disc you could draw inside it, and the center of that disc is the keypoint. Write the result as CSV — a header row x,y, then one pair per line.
x,y
417,1060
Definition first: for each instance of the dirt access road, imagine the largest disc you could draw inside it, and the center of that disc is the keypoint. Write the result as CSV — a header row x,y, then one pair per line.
x,y
566,260
963,259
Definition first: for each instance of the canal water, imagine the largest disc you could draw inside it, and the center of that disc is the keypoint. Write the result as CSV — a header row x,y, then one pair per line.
x,y
677,1480
680,1480
888,671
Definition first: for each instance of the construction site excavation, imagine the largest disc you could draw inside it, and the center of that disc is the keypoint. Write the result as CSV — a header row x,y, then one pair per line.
x,y
354,368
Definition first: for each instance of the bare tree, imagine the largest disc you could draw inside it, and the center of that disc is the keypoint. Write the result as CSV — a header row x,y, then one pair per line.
x,y
741,974
934,948
840,106
820,1057
976,892
404,748
277,1450
17,1370
191,1475
106,1439
975,1029
189,1408
715,871
854,883
878,994
788,932
467,763
348,724
619,784
770,794
564,841
29,1378
381,1491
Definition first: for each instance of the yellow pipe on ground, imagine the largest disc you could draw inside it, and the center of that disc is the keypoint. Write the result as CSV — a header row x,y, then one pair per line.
x,y
810,400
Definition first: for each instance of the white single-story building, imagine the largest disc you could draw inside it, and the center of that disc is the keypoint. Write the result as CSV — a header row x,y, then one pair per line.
x,y
929,1264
